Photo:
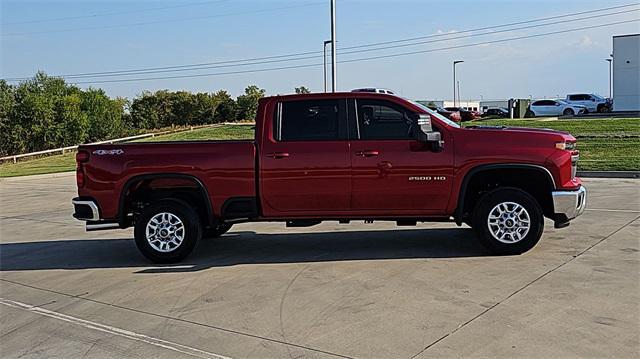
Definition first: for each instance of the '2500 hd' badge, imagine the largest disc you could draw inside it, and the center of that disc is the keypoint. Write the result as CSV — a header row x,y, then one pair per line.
x,y
427,178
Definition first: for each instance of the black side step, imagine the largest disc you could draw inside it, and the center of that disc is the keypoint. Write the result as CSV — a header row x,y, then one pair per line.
x,y
303,223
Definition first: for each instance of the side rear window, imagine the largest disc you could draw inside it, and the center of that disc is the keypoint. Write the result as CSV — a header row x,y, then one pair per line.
x,y
313,120
383,120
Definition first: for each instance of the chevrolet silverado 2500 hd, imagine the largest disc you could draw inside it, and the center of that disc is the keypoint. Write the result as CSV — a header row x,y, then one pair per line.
x,y
342,156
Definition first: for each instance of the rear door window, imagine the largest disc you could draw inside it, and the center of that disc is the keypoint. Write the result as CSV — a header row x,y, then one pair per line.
x,y
311,120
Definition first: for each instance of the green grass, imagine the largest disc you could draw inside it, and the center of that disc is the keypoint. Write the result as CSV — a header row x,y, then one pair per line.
x,y
42,165
226,132
605,145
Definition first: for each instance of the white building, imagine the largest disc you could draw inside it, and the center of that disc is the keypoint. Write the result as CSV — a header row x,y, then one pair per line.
x,y
626,73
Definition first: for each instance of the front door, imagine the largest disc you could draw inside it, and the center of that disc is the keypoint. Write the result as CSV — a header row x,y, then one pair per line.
x,y
305,166
392,173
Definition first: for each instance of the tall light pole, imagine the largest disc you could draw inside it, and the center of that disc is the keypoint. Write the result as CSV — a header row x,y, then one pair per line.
x,y
610,82
324,64
333,46
454,80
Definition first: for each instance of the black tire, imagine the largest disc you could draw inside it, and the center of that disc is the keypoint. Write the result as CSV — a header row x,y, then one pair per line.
x,y
568,112
192,230
491,200
217,231
529,114
604,109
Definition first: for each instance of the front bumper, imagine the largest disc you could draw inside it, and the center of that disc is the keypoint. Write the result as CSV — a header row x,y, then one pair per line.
x,y
568,205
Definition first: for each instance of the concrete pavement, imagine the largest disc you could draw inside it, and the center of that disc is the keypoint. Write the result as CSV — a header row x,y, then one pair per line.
x,y
366,291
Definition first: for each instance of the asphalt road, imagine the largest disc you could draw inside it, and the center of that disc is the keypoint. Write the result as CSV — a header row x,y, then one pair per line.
x,y
359,290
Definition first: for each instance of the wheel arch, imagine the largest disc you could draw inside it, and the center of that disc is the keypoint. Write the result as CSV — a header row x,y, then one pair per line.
x,y
136,180
464,198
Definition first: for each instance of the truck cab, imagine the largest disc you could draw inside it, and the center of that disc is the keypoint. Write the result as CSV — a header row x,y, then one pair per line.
x,y
343,157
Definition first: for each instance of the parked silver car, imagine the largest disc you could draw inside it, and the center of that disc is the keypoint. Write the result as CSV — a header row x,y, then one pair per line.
x,y
593,102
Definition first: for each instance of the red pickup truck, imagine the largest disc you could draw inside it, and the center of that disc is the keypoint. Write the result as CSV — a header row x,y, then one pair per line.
x,y
334,157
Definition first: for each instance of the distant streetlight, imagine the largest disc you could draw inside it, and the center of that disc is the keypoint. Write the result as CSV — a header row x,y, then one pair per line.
x,y
324,68
454,80
610,82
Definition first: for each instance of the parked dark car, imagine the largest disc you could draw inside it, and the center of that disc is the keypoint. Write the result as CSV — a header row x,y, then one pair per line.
x,y
452,115
496,112
465,115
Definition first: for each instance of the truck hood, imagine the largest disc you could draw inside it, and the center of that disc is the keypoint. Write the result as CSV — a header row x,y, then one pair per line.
x,y
517,131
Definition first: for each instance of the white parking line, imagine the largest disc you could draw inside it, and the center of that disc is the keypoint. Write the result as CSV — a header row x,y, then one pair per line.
x,y
115,331
612,210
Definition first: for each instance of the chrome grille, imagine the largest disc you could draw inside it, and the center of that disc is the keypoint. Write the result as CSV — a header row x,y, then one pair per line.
x,y
574,164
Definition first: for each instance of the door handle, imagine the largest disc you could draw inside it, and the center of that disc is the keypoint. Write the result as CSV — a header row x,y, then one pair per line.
x,y
367,153
278,155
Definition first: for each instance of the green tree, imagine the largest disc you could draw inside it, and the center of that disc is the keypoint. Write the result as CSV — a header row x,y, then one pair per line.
x,y
248,103
104,115
302,90
225,109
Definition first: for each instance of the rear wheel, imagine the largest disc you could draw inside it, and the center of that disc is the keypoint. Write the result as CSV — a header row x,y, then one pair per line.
x,y
167,231
568,112
508,221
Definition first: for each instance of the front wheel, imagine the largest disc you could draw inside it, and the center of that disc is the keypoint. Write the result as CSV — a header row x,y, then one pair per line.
x,y
568,112
167,231
508,221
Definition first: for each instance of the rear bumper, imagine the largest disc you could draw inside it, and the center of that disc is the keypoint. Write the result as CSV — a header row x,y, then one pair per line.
x,y
568,205
86,209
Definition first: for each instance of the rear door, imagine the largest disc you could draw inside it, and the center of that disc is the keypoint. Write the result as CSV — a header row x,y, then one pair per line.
x,y
305,168
392,173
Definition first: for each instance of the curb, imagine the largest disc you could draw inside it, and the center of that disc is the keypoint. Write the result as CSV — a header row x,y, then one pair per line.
x,y
609,174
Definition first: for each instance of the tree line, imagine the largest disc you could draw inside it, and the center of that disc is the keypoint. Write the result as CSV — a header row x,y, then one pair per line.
x,y
46,112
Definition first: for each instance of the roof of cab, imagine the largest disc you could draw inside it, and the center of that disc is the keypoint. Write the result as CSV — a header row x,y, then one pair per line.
x,y
333,95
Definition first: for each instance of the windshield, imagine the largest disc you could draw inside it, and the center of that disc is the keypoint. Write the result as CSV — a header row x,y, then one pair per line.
x,y
435,114
598,97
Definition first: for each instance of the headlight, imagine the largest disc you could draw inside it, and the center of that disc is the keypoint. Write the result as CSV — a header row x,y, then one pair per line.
x,y
569,146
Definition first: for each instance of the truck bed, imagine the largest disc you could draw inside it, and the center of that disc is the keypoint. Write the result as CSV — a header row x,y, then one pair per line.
x,y
226,169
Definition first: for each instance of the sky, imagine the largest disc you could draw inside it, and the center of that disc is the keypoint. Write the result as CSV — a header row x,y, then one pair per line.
x,y
71,37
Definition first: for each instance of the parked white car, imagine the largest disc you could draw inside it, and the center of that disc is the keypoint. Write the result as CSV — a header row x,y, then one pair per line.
x,y
554,108
593,102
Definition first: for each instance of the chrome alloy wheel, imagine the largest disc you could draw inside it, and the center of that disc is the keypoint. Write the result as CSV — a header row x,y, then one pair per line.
x,y
165,232
509,222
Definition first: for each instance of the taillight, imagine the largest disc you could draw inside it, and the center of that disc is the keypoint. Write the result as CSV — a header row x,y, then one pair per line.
x,y
81,158
80,177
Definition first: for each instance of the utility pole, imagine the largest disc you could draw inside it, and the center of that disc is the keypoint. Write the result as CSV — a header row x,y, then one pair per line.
x,y
610,82
454,80
324,64
333,46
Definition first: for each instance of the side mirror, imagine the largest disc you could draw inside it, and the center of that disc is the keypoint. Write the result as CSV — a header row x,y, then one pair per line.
x,y
426,134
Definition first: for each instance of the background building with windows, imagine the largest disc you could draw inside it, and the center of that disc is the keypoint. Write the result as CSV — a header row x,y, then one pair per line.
x,y
626,73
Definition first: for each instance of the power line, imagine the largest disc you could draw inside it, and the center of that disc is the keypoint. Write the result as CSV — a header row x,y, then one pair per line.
x,y
362,59
112,13
302,55
161,21
146,72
